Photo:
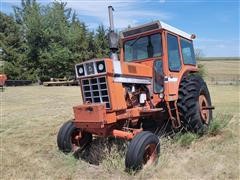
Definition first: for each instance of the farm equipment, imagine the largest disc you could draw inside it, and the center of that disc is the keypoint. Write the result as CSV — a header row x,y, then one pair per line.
x,y
60,82
3,79
133,97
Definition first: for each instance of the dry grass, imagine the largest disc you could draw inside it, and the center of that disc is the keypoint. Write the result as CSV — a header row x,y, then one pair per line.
x,y
219,71
32,116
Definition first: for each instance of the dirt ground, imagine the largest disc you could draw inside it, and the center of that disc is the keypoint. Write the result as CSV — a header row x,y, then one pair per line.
x,y
32,116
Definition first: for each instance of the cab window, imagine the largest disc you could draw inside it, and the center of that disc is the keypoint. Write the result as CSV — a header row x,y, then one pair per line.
x,y
174,61
158,77
143,48
188,52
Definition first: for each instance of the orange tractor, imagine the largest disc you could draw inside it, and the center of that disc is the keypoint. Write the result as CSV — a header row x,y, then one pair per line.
x,y
133,97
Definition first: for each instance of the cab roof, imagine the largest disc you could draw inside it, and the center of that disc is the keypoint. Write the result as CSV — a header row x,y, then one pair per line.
x,y
154,26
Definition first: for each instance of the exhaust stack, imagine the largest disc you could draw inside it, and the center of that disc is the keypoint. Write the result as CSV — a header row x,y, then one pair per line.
x,y
112,36
110,14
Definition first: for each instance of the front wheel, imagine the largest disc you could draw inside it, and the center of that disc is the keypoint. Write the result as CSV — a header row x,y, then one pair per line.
x,y
143,151
71,139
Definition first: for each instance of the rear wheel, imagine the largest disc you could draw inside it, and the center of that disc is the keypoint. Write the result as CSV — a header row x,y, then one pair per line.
x,y
194,100
71,139
143,151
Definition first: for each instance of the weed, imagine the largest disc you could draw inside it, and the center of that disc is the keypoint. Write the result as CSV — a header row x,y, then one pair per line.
x,y
202,71
185,139
218,123
114,160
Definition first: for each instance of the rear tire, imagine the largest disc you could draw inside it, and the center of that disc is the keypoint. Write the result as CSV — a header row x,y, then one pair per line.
x,y
67,139
193,97
142,151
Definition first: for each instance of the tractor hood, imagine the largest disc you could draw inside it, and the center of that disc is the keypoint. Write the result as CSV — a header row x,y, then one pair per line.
x,y
122,72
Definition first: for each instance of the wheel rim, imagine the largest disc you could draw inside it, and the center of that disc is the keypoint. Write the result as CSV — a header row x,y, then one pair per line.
x,y
203,104
150,155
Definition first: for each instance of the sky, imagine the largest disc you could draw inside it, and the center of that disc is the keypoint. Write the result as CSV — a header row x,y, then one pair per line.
x,y
215,23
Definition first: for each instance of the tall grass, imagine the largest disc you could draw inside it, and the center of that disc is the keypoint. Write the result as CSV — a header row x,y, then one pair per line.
x,y
185,139
216,127
219,123
113,151
114,160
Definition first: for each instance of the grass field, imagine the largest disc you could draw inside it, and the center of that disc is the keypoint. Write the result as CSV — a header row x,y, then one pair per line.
x,y
31,117
222,71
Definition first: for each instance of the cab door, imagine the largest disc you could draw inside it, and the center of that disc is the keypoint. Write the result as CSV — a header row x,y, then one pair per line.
x,y
174,66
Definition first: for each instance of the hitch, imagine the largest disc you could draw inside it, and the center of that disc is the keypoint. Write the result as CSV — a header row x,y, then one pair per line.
x,y
208,108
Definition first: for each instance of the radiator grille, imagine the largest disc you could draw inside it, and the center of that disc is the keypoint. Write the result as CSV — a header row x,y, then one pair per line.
x,y
95,90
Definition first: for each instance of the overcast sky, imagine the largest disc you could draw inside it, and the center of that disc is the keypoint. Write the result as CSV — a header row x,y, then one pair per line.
x,y
216,23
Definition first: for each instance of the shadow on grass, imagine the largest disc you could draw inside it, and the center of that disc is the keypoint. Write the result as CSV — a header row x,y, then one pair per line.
x,y
101,148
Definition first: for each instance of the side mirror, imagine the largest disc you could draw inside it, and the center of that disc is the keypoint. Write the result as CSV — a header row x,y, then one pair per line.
x,y
113,40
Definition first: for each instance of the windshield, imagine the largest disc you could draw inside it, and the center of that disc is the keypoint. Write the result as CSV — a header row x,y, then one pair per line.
x,y
143,48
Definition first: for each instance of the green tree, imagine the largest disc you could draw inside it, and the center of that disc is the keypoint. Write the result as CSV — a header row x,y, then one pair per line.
x,y
55,56
41,42
101,43
13,48
29,18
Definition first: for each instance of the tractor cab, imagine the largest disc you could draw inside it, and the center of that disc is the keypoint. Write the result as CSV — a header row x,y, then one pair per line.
x,y
166,49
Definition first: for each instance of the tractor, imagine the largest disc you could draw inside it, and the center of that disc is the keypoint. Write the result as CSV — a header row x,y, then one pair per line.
x,y
149,79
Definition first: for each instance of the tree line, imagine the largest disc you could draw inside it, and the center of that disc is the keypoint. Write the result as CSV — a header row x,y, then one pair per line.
x,y
39,41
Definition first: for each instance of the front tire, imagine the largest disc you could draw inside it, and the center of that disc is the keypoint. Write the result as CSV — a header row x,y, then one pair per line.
x,y
194,98
71,139
143,151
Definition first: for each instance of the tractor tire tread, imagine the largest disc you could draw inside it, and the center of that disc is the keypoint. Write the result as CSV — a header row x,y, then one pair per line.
x,y
134,156
190,89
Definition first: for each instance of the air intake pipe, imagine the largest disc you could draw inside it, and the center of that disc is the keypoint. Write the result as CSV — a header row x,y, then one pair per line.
x,y
112,36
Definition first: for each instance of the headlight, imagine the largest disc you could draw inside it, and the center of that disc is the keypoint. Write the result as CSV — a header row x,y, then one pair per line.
x,y
100,66
80,70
